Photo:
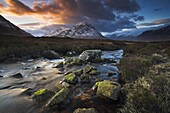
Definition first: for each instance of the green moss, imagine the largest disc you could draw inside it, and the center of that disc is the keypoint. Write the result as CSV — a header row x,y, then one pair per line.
x,y
94,72
42,94
60,97
108,89
71,78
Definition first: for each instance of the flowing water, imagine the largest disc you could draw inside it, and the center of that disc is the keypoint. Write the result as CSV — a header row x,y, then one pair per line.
x,y
39,73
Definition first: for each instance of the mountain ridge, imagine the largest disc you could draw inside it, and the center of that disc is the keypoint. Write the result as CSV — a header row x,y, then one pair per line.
x,y
8,28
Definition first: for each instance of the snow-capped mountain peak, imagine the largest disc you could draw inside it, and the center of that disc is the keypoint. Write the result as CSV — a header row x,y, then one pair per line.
x,y
81,30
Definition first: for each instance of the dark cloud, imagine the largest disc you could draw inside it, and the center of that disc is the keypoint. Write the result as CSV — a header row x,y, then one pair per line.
x,y
104,14
127,6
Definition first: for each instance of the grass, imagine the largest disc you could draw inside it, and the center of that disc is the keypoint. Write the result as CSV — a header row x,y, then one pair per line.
x,y
145,68
29,47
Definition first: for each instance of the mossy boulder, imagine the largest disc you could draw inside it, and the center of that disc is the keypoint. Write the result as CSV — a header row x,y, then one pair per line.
x,y
108,89
58,65
90,55
59,99
90,70
85,78
42,95
94,72
78,72
71,78
70,61
85,110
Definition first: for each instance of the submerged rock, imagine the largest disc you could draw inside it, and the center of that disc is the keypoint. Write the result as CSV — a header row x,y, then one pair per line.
x,y
18,75
90,55
71,78
42,94
51,55
85,110
108,89
59,99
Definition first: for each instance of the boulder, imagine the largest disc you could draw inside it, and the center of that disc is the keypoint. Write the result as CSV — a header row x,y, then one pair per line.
x,y
85,110
51,55
73,61
71,78
85,78
59,99
90,55
58,65
108,89
42,95
78,72
91,70
18,75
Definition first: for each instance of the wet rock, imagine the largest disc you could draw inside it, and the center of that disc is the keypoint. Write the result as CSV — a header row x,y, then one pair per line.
x,y
42,95
73,61
71,53
18,75
51,55
85,78
58,65
71,78
85,110
90,55
1,76
108,89
94,72
59,99
78,72
90,70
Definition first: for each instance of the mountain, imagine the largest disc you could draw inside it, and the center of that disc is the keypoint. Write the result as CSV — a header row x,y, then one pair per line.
x,y
82,30
56,31
7,28
161,34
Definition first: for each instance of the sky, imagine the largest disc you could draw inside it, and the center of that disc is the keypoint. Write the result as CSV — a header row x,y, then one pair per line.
x,y
108,16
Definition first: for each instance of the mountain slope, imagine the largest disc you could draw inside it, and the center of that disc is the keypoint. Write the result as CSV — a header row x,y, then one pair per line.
x,y
7,28
82,30
162,34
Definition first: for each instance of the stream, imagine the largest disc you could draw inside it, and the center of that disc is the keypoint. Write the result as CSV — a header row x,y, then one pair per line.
x,y
39,73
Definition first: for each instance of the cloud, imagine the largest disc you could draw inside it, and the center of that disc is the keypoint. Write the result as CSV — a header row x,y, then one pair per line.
x,y
156,22
106,12
128,6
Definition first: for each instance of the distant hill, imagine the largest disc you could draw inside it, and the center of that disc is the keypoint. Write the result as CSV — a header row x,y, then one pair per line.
x,y
82,30
7,28
161,34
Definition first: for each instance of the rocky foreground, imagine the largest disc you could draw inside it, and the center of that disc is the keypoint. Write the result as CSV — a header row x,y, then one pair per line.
x,y
85,83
